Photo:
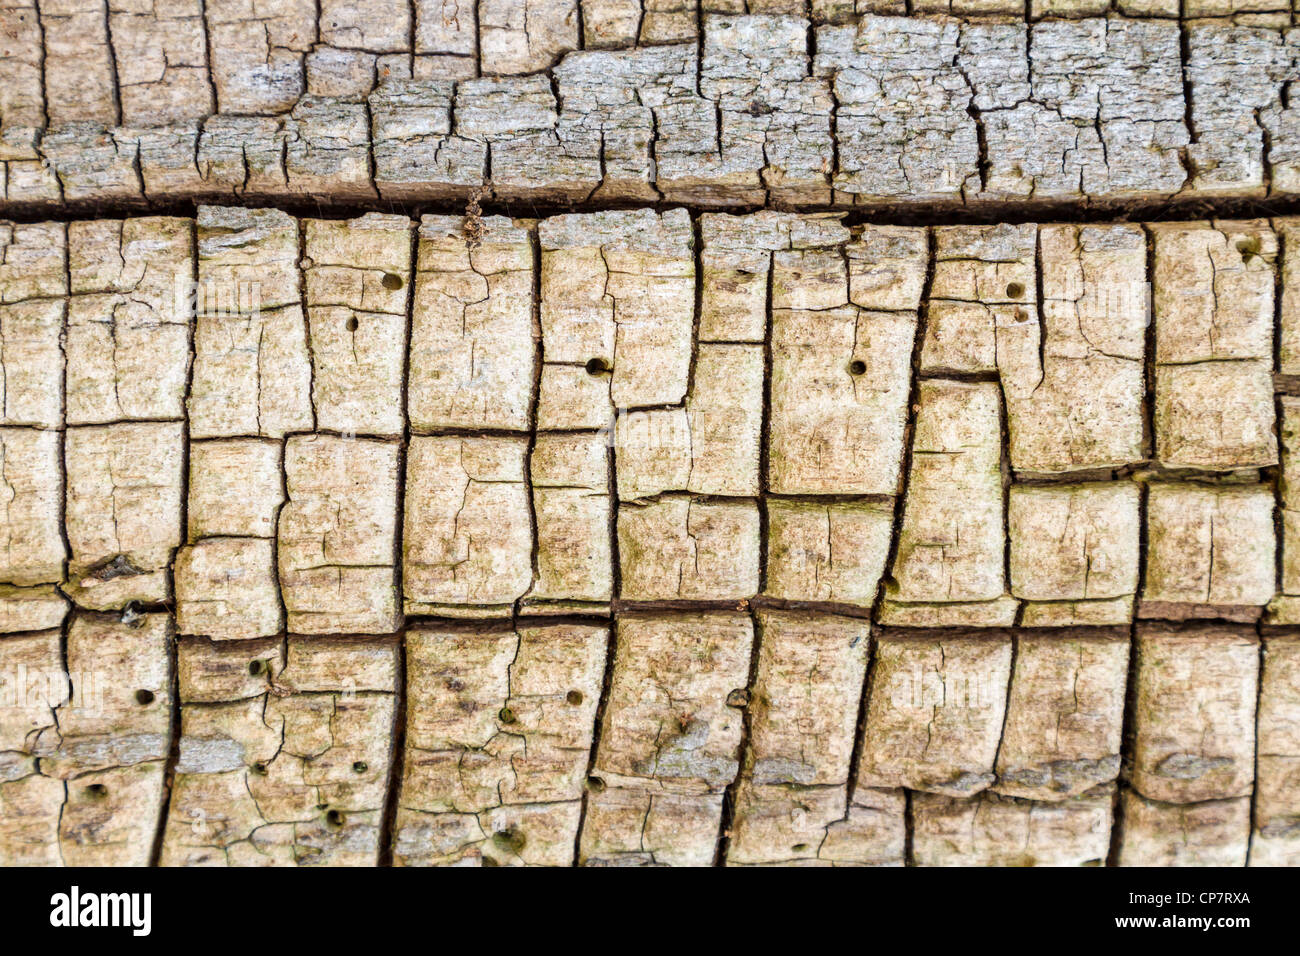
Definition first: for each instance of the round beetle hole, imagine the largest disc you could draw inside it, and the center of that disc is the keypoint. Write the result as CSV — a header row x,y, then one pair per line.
x,y
595,785
97,791
506,715
256,668
352,323
596,366
857,367
360,767
1015,290
511,839
574,697
334,819
144,697
391,282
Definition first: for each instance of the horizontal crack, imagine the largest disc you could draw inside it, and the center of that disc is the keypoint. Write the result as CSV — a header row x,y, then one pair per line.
x,y
975,212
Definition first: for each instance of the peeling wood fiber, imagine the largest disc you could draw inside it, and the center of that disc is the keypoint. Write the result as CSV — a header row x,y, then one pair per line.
x,y
959,103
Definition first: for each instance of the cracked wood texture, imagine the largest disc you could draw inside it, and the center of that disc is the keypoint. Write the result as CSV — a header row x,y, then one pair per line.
x,y
641,537
838,443
718,103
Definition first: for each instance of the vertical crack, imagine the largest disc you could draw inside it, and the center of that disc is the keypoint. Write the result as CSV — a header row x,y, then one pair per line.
x,y
909,430
397,756
744,750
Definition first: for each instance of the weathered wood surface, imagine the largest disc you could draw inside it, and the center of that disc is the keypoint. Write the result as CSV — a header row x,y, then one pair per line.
x,y
721,103
648,537
874,417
